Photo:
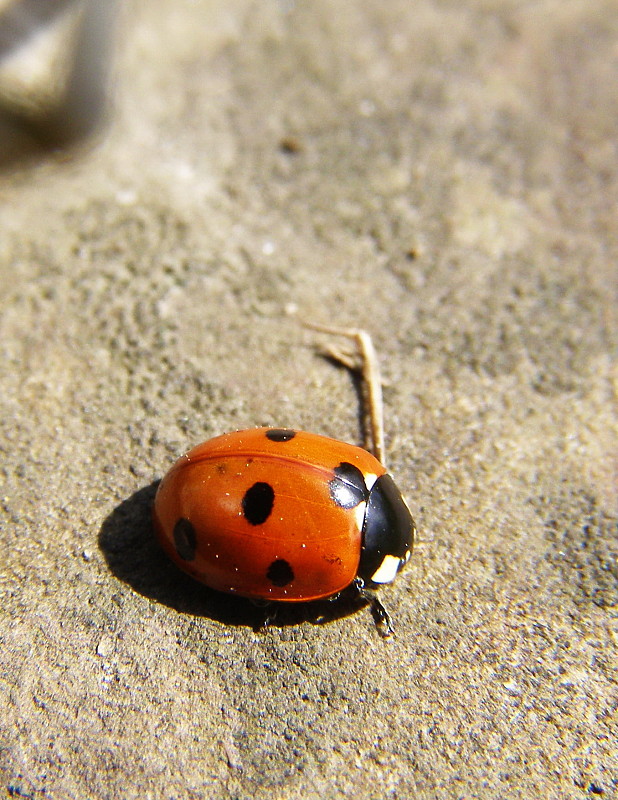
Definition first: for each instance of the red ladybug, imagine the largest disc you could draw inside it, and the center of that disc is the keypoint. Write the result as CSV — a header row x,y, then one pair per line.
x,y
283,515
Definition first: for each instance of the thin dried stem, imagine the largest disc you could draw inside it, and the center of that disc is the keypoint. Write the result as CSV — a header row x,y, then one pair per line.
x,y
370,371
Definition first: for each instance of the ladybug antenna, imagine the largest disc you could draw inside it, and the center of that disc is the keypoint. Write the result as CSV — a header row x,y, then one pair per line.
x,y
370,371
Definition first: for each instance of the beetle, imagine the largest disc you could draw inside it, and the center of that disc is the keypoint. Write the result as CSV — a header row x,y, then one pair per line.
x,y
281,515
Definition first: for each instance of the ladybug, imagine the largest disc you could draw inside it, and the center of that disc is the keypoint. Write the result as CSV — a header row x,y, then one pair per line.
x,y
275,514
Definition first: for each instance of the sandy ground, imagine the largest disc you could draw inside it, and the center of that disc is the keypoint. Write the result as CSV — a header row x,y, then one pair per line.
x,y
443,174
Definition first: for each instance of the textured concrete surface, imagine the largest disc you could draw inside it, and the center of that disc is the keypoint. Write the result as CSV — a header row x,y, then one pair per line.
x,y
443,174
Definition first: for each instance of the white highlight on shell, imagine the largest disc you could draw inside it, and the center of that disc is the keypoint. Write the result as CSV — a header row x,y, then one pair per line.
x,y
387,570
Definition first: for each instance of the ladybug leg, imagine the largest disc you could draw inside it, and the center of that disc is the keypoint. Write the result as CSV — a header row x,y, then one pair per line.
x,y
370,370
325,613
269,615
381,617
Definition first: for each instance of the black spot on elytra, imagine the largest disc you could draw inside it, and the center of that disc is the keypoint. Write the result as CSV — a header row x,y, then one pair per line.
x,y
280,434
280,573
347,488
184,539
257,503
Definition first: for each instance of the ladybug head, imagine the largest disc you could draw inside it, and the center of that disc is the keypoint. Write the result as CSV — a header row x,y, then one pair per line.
x,y
388,534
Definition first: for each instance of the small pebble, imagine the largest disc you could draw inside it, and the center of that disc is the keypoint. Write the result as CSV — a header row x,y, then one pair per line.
x,y
105,646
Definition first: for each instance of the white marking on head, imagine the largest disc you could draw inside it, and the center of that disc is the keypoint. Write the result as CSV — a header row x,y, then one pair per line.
x,y
359,515
387,570
369,479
